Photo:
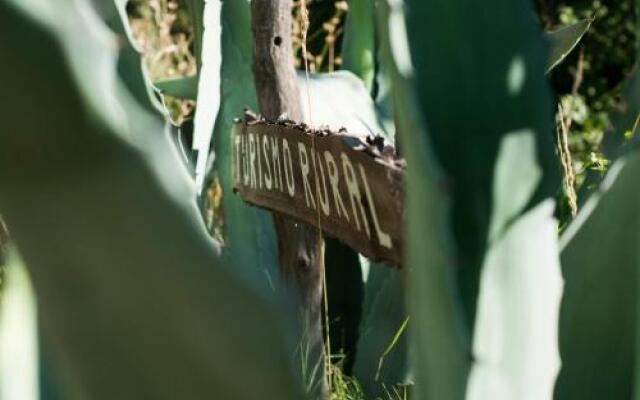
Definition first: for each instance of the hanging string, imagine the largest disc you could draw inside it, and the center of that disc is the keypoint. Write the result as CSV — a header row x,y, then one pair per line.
x,y
304,13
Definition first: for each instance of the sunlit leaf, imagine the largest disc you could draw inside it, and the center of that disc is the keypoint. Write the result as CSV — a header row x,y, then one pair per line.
x,y
437,333
564,40
488,112
600,262
250,244
18,335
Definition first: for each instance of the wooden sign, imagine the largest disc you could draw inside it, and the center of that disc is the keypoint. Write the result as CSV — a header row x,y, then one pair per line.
x,y
350,187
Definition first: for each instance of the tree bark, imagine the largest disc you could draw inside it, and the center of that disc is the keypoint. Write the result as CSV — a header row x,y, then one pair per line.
x,y
300,246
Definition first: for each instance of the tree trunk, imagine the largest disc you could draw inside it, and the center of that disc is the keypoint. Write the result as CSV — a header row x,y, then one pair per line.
x,y
300,246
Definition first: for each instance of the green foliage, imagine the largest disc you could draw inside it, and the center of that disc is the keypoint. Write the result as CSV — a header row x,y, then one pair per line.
x,y
326,26
598,324
132,296
435,327
498,158
501,92
589,82
100,207
564,40
249,237
381,355
18,334
183,87
358,45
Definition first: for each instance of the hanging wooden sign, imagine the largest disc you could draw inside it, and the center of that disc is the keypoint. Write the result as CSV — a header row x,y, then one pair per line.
x,y
350,187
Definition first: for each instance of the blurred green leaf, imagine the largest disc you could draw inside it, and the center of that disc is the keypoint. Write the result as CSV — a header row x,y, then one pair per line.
x,y
439,355
134,301
18,335
183,87
515,341
384,313
625,120
488,111
480,78
358,45
250,245
564,40
598,320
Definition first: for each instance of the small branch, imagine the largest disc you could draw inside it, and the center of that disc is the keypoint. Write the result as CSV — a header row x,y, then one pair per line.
x,y
564,127
568,177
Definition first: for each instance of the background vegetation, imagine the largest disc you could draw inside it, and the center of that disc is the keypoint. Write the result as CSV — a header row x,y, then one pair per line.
x,y
474,272
587,83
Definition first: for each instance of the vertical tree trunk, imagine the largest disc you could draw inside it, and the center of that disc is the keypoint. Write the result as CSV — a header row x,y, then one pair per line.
x,y
300,247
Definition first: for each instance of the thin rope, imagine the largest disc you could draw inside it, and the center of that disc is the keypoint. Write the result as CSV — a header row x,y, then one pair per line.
x,y
304,13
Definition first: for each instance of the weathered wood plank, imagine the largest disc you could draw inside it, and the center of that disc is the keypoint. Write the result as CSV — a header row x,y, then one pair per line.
x,y
354,187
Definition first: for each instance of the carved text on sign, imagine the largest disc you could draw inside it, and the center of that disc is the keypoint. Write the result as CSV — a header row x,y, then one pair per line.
x,y
333,180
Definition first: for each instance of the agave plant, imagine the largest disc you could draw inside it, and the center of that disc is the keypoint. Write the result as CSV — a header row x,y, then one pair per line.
x,y
135,300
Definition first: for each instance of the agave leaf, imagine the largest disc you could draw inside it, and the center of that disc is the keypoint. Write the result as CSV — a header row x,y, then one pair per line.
x,y
250,241
339,100
564,40
600,261
18,335
515,342
438,339
183,87
209,86
358,45
384,99
119,267
493,92
382,363
498,181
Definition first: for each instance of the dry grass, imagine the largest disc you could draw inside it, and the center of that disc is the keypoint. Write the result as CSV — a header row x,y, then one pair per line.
x,y
323,37
164,31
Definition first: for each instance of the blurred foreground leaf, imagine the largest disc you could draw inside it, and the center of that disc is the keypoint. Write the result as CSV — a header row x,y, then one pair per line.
x,y
183,87
381,363
481,89
439,353
18,335
480,80
134,301
358,45
598,320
